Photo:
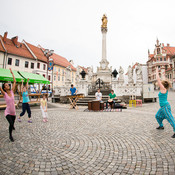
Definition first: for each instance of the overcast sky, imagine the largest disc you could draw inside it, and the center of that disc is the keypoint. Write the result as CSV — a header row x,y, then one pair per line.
x,y
72,28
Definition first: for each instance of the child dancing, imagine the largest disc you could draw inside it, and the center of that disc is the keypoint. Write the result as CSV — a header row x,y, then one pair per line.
x,y
43,106
165,109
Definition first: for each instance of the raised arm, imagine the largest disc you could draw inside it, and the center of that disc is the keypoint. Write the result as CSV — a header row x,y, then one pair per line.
x,y
2,91
14,81
22,86
27,85
162,89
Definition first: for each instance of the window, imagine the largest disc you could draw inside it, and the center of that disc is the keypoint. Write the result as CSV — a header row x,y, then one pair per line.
x,y
160,58
43,75
9,61
44,67
55,69
166,67
62,78
58,69
170,76
58,78
16,62
38,65
62,71
32,65
158,50
54,77
164,58
26,64
49,78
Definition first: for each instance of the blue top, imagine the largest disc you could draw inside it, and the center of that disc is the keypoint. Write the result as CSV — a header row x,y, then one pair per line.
x,y
163,99
25,97
73,90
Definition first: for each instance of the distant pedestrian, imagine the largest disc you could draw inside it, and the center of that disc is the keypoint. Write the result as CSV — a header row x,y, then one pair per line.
x,y
43,107
25,103
10,111
165,109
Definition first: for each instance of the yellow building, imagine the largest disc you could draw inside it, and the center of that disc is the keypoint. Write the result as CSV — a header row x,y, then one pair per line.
x,y
59,71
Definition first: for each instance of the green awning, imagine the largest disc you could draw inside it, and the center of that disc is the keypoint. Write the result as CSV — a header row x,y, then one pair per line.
x,y
5,75
34,78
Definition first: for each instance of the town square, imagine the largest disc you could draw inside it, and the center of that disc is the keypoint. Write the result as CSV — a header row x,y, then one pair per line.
x,y
87,87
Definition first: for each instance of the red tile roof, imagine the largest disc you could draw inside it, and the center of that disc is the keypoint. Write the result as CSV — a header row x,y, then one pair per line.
x,y
151,55
83,68
61,61
170,50
20,49
1,46
37,52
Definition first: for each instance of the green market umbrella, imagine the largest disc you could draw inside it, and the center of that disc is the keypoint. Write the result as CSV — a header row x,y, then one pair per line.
x,y
5,75
34,78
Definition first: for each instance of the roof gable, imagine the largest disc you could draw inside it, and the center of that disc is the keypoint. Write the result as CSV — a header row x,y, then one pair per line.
x,y
20,49
61,61
37,52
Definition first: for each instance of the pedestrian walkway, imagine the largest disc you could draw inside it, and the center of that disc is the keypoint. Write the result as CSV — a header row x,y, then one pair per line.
x,y
77,142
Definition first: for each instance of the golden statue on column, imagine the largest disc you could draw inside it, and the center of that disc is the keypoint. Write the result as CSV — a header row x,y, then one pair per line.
x,y
104,21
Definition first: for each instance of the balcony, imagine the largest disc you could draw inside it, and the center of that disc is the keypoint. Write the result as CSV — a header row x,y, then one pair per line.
x,y
162,62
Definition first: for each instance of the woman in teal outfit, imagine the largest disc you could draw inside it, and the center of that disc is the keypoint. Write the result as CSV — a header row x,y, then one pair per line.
x,y
165,109
25,103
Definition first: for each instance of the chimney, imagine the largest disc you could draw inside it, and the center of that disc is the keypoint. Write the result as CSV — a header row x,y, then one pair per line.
x,y
15,40
5,36
168,45
162,44
71,61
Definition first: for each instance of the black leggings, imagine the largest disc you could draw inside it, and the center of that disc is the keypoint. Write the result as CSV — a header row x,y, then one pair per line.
x,y
111,103
25,106
11,120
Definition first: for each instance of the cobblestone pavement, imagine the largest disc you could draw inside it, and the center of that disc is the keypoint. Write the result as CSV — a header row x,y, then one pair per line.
x,y
77,142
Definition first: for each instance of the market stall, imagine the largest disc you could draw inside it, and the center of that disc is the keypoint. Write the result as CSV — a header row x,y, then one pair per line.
x,y
6,76
33,79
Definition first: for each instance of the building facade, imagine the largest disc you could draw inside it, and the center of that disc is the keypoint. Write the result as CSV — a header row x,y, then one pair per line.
x,y
23,56
60,72
163,59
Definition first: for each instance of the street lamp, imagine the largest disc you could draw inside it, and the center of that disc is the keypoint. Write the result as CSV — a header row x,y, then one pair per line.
x,y
48,53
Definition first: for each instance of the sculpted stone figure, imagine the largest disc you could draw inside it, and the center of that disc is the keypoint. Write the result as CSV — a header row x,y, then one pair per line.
x,y
130,74
139,72
77,78
121,72
68,70
90,73
104,21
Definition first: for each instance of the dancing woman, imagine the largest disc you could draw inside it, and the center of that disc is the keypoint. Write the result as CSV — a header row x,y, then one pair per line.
x,y
165,109
25,103
10,111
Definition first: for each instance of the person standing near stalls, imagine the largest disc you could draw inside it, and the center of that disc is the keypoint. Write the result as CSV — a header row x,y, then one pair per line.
x,y
10,111
25,103
98,95
165,109
73,90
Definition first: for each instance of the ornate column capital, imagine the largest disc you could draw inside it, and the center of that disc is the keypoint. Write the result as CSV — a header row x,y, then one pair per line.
x,y
104,29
